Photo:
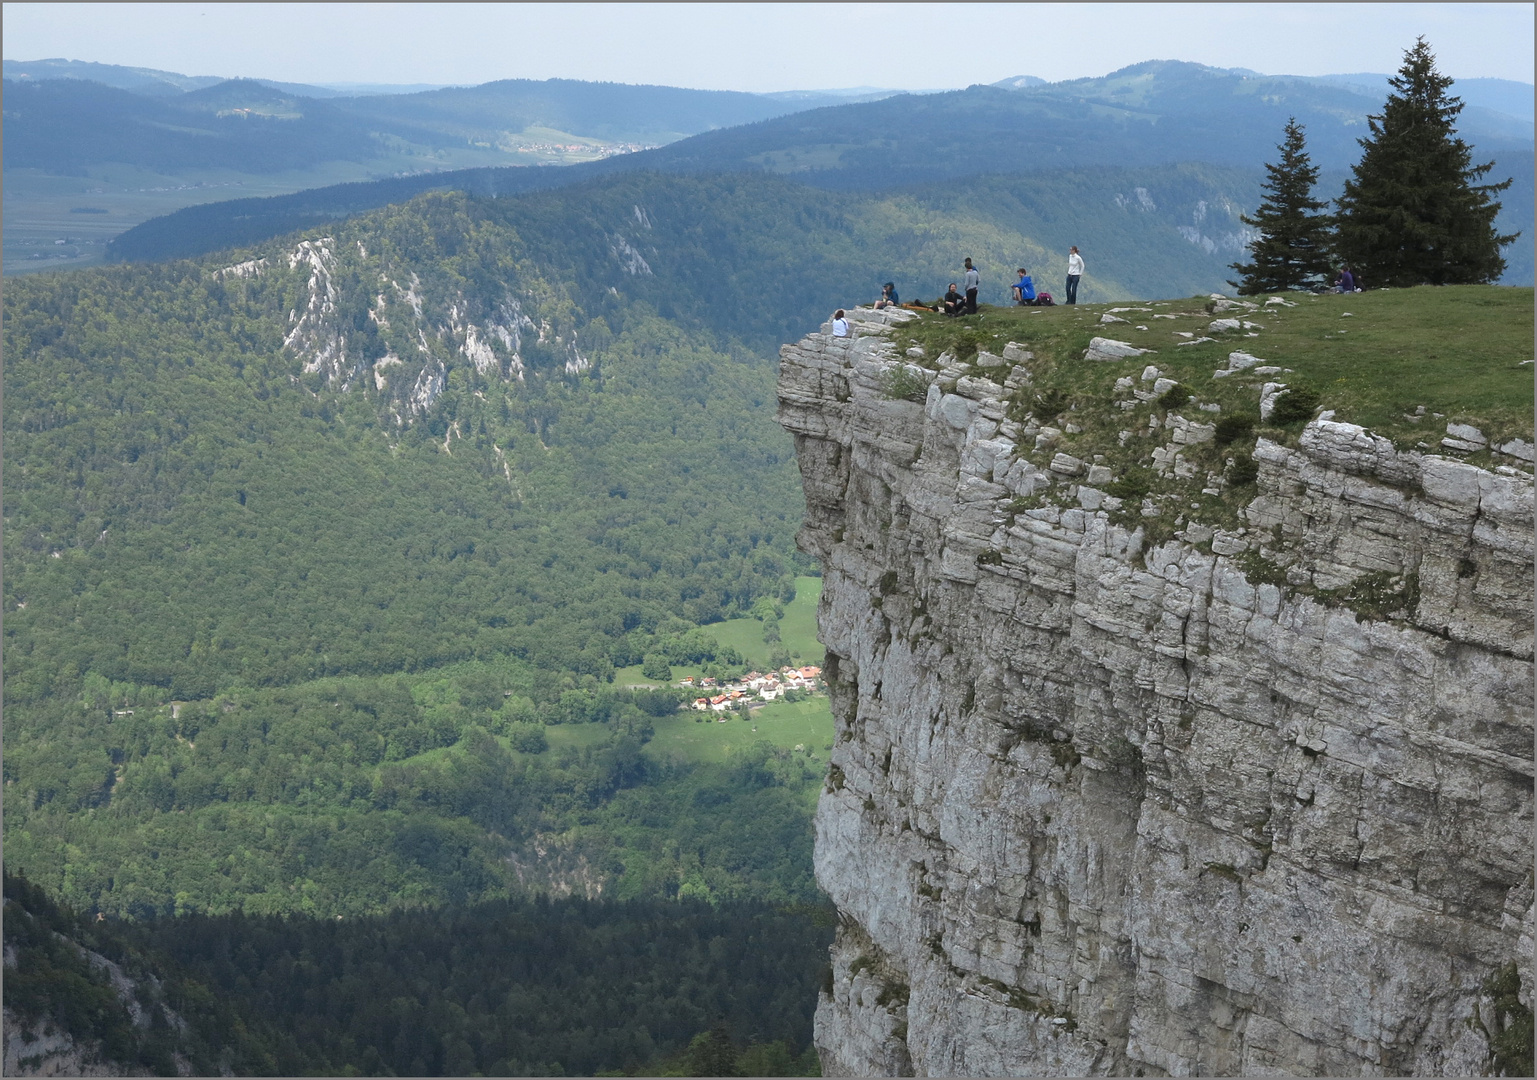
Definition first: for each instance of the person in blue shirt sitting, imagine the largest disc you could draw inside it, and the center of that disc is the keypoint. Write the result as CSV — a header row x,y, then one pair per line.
x,y
1024,289
888,296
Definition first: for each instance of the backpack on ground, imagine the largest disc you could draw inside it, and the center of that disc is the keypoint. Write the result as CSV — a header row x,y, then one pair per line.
x,y
1044,300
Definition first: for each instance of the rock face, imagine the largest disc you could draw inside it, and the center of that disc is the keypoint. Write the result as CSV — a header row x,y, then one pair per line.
x,y
417,332
1102,807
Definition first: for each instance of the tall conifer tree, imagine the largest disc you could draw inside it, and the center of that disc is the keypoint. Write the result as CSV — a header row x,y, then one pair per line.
x,y
1413,211
1292,250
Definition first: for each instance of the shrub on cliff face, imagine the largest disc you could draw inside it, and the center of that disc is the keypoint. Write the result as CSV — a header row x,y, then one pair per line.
x,y
1051,402
1233,426
1242,471
1294,406
905,384
1132,485
1174,396
1377,595
1510,1041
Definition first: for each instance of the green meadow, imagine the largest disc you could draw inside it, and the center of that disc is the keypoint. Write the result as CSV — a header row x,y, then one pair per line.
x,y
797,631
697,736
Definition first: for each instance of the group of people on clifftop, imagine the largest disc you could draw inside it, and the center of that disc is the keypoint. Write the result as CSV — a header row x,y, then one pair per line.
x,y
1022,292
961,297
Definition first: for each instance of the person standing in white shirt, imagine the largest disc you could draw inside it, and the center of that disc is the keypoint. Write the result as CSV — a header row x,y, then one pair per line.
x,y
1074,272
973,281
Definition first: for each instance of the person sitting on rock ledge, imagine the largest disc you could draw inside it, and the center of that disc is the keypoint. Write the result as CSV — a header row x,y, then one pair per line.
x,y
888,296
954,302
840,324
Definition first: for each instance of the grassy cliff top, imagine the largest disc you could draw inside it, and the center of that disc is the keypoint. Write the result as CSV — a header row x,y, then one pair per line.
x,y
1374,358
1404,364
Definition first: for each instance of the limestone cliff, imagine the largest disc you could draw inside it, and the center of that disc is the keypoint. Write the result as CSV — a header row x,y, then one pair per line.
x,y
1102,806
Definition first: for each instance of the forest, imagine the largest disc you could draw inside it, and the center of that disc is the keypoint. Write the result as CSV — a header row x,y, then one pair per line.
x,y
230,580
526,987
298,643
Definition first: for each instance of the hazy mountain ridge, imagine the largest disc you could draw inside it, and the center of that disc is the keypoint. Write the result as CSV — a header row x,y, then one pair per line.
x,y
154,81
444,116
1150,114
69,125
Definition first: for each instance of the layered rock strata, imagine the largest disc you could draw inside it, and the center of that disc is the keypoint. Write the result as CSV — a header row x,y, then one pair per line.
x,y
1102,806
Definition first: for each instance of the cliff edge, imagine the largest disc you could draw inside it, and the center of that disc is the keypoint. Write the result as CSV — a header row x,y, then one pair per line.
x,y
1105,804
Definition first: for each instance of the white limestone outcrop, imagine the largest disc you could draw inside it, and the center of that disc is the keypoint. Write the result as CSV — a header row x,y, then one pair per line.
x,y
1100,806
422,335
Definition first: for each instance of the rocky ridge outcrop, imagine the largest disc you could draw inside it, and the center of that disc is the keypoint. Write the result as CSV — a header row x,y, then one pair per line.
x,y
1255,800
360,322
40,1047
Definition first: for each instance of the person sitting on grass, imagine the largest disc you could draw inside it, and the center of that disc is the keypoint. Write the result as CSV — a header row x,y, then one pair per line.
x,y
1024,289
888,296
954,303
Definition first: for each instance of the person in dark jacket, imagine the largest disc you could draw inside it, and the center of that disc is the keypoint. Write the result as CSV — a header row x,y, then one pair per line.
x,y
888,296
954,302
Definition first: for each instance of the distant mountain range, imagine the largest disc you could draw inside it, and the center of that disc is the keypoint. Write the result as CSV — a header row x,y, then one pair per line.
x,y
155,82
1148,115
59,116
62,118
1498,95
67,92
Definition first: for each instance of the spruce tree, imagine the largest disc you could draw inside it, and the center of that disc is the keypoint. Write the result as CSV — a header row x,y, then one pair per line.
x,y
1413,211
1292,250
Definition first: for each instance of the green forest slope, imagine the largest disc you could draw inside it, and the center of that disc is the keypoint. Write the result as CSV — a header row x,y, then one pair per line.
x,y
521,988
200,529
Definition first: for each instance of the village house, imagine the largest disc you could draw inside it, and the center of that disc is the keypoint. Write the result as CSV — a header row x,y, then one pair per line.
x,y
766,687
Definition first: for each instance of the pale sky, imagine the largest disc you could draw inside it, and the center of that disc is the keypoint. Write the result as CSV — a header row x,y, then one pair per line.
x,y
764,47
